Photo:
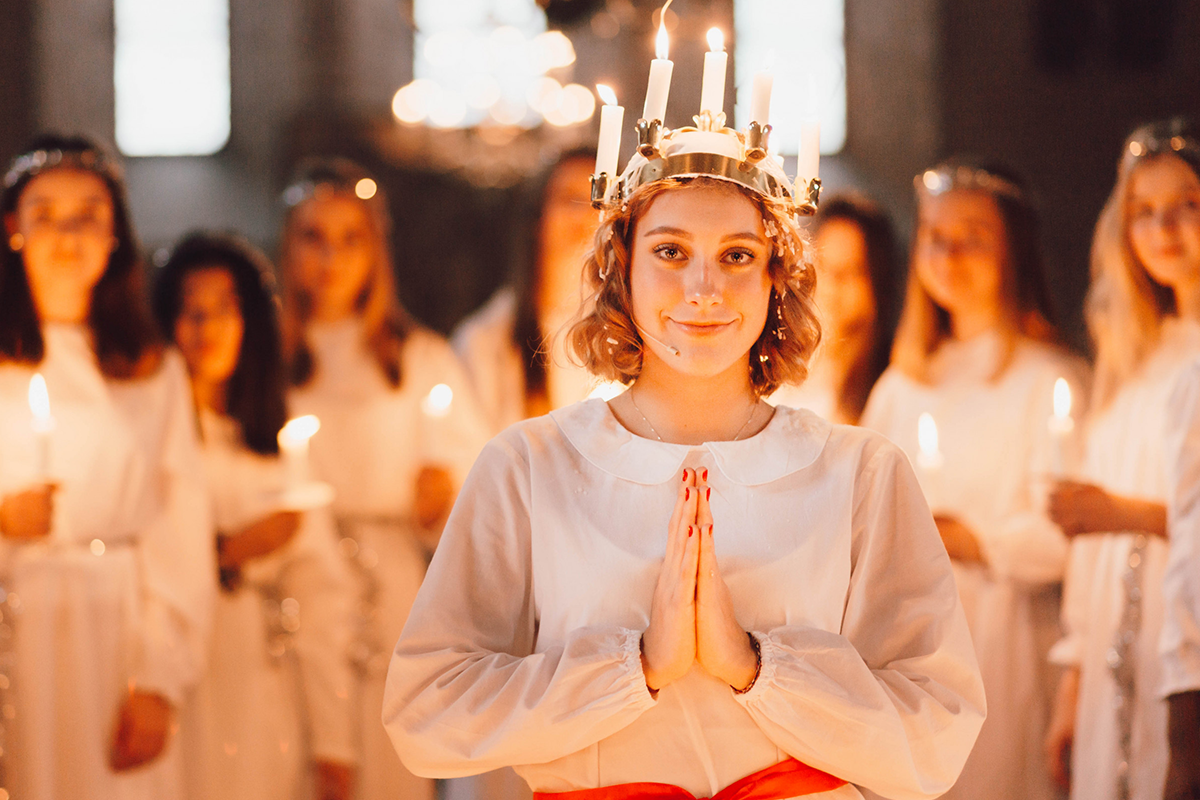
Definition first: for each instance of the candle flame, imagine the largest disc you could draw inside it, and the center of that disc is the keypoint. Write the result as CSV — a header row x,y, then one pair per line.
x,y
716,40
606,94
661,41
1062,399
927,434
437,403
39,398
298,431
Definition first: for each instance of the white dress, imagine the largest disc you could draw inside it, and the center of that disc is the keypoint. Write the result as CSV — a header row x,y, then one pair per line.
x,y
996,449
1180,642
523,649
373,442
1126,454
278,687
120,594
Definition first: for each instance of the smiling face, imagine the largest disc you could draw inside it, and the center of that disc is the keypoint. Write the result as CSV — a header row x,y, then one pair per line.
x,y
66,219
1164,221
332,248
961,251
699,279
209,327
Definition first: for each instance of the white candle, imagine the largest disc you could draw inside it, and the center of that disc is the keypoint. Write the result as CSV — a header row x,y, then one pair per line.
x,y
929,458
1060,425
808,164
660,75
760,98
293,446
712,90
612,117
42,425
437,403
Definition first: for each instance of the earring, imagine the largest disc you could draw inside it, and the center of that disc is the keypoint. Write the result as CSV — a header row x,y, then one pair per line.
x,y
16,242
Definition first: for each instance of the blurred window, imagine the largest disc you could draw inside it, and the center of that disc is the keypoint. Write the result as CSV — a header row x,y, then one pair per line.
x,y
803,43
171,75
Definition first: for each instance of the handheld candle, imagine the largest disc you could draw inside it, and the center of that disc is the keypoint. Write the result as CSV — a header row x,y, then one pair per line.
x,y
1060,426
42,424
293,446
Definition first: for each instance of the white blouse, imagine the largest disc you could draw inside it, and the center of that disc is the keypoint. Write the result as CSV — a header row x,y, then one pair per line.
x,y
1180,642
120,593
523,646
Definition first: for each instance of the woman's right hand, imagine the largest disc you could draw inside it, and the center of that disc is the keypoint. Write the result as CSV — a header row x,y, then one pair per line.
x,y
258,539
27,516
1060,734
669,643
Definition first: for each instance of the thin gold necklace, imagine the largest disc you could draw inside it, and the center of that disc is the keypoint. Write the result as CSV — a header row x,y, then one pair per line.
x,y
738,435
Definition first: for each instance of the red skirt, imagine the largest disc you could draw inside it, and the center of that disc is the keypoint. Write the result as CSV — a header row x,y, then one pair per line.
x,y
789,778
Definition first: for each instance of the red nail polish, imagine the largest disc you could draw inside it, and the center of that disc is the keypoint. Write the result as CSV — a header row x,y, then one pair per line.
x,y
684,477
690,531
710,530
706,474
687,493
707,493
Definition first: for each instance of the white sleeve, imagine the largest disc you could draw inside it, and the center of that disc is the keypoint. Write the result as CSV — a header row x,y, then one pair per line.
x,y
466,691
177,558
317,577
1180,642
894,701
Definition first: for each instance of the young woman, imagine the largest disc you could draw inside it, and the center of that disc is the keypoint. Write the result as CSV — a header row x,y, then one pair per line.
x,y
685,585
277,689
1144,315
399,428
975,349
858,275
105,553
511,347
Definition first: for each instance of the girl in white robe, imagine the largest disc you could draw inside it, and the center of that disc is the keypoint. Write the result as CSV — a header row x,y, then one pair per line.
x,y
973,351
399,428
276,695
857,273
1144,314
105,558
586,615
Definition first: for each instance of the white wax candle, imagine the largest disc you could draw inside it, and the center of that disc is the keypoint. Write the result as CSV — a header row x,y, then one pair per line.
x,y
42,425
760,98
612,117
808,164
1060,426
293,446
712,90
929,458
660,76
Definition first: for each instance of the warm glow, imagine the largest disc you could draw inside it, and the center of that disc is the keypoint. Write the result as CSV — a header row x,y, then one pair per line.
x,y
927,434
606,94
1062,399
39,399
298,431
716,40
662,41
437,403
365,189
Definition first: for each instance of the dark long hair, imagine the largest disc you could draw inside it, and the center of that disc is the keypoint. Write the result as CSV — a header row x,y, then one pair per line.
x,y
124,335
255,391
883,264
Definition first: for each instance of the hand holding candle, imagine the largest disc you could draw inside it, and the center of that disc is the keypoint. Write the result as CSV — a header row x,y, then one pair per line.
x,y
1060,426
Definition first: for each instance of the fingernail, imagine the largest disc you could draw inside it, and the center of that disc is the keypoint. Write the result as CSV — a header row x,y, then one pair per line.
x,y
710,530
706,473
707,493
684,477
687,493
690,531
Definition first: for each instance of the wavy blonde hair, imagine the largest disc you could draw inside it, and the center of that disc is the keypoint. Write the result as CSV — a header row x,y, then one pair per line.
x,y
385,324
1125,306
605,340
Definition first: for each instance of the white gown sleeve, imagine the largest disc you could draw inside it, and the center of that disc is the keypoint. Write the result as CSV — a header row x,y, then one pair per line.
x,y
177,559
894,701
317,577
466,692
1180,642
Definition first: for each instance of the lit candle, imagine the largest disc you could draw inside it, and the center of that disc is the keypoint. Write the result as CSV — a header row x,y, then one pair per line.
x,y
1060,424
660,74
760,98
437,403
808,164
612,117
43,423
929,458
712,90
293,446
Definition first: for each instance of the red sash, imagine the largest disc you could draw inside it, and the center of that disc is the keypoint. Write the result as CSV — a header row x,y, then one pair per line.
x,y
789,778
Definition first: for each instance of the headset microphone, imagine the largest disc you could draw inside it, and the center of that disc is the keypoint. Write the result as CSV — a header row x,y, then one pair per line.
x,y
644,332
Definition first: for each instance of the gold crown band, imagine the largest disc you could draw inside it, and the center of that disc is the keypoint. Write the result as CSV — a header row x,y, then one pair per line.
x,y
707,165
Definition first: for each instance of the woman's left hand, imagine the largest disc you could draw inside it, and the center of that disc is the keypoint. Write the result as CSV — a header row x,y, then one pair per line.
x,y
334,780
143,727
960,543
434,497
722,645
